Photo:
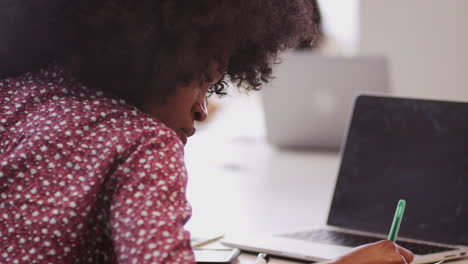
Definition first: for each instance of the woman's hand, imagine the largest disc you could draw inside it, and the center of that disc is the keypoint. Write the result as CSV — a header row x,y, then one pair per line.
x,y
382,252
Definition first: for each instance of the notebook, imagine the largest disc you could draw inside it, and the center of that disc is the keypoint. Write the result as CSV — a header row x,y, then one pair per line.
x,y
396,148
309,101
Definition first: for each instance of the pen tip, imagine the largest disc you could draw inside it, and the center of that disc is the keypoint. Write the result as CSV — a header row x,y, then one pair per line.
x,y
265,256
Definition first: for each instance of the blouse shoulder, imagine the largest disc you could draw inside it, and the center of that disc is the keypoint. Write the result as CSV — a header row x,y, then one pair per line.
x,y
77,117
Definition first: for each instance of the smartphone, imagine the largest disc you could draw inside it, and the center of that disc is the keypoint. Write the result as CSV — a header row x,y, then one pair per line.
x,y
210,256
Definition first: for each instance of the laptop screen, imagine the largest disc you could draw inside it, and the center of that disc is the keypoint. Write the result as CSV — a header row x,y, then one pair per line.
x,y
409,149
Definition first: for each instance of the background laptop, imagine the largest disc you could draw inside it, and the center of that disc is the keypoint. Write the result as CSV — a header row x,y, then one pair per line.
x,y
396,148
309,101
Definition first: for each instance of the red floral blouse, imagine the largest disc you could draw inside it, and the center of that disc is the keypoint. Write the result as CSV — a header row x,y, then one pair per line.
x,y
86,177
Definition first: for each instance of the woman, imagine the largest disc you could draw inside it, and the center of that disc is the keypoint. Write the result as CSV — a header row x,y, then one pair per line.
x,y
95,115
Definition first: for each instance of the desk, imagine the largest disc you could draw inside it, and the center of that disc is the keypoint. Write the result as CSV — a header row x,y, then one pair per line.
x,y
240,183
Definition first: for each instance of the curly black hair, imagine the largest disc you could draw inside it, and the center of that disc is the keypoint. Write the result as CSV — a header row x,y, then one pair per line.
x,y
141,49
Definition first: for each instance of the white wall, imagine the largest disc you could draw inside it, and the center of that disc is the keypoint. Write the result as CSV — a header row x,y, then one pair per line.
x,y
340,22
426,41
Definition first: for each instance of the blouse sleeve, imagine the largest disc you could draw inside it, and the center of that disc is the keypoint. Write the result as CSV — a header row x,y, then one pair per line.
x,y
149,206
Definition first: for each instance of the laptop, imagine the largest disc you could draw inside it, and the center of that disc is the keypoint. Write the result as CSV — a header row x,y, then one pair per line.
x,y
310,99
396,148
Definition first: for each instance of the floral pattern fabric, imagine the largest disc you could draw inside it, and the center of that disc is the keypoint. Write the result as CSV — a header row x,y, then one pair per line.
x,y
86,177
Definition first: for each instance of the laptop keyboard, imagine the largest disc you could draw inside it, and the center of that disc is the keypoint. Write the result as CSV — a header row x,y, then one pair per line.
x,y
353,240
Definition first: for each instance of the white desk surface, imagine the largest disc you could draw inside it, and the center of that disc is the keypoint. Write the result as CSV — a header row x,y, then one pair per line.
x,y
240,183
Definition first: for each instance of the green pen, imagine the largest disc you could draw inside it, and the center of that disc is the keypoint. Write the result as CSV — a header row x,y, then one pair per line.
x,y
397,221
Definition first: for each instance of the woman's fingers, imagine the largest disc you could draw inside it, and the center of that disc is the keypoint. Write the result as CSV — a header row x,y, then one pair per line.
x,y
408,255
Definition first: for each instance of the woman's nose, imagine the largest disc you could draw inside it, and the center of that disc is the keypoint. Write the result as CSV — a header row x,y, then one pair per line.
x,y
200,111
